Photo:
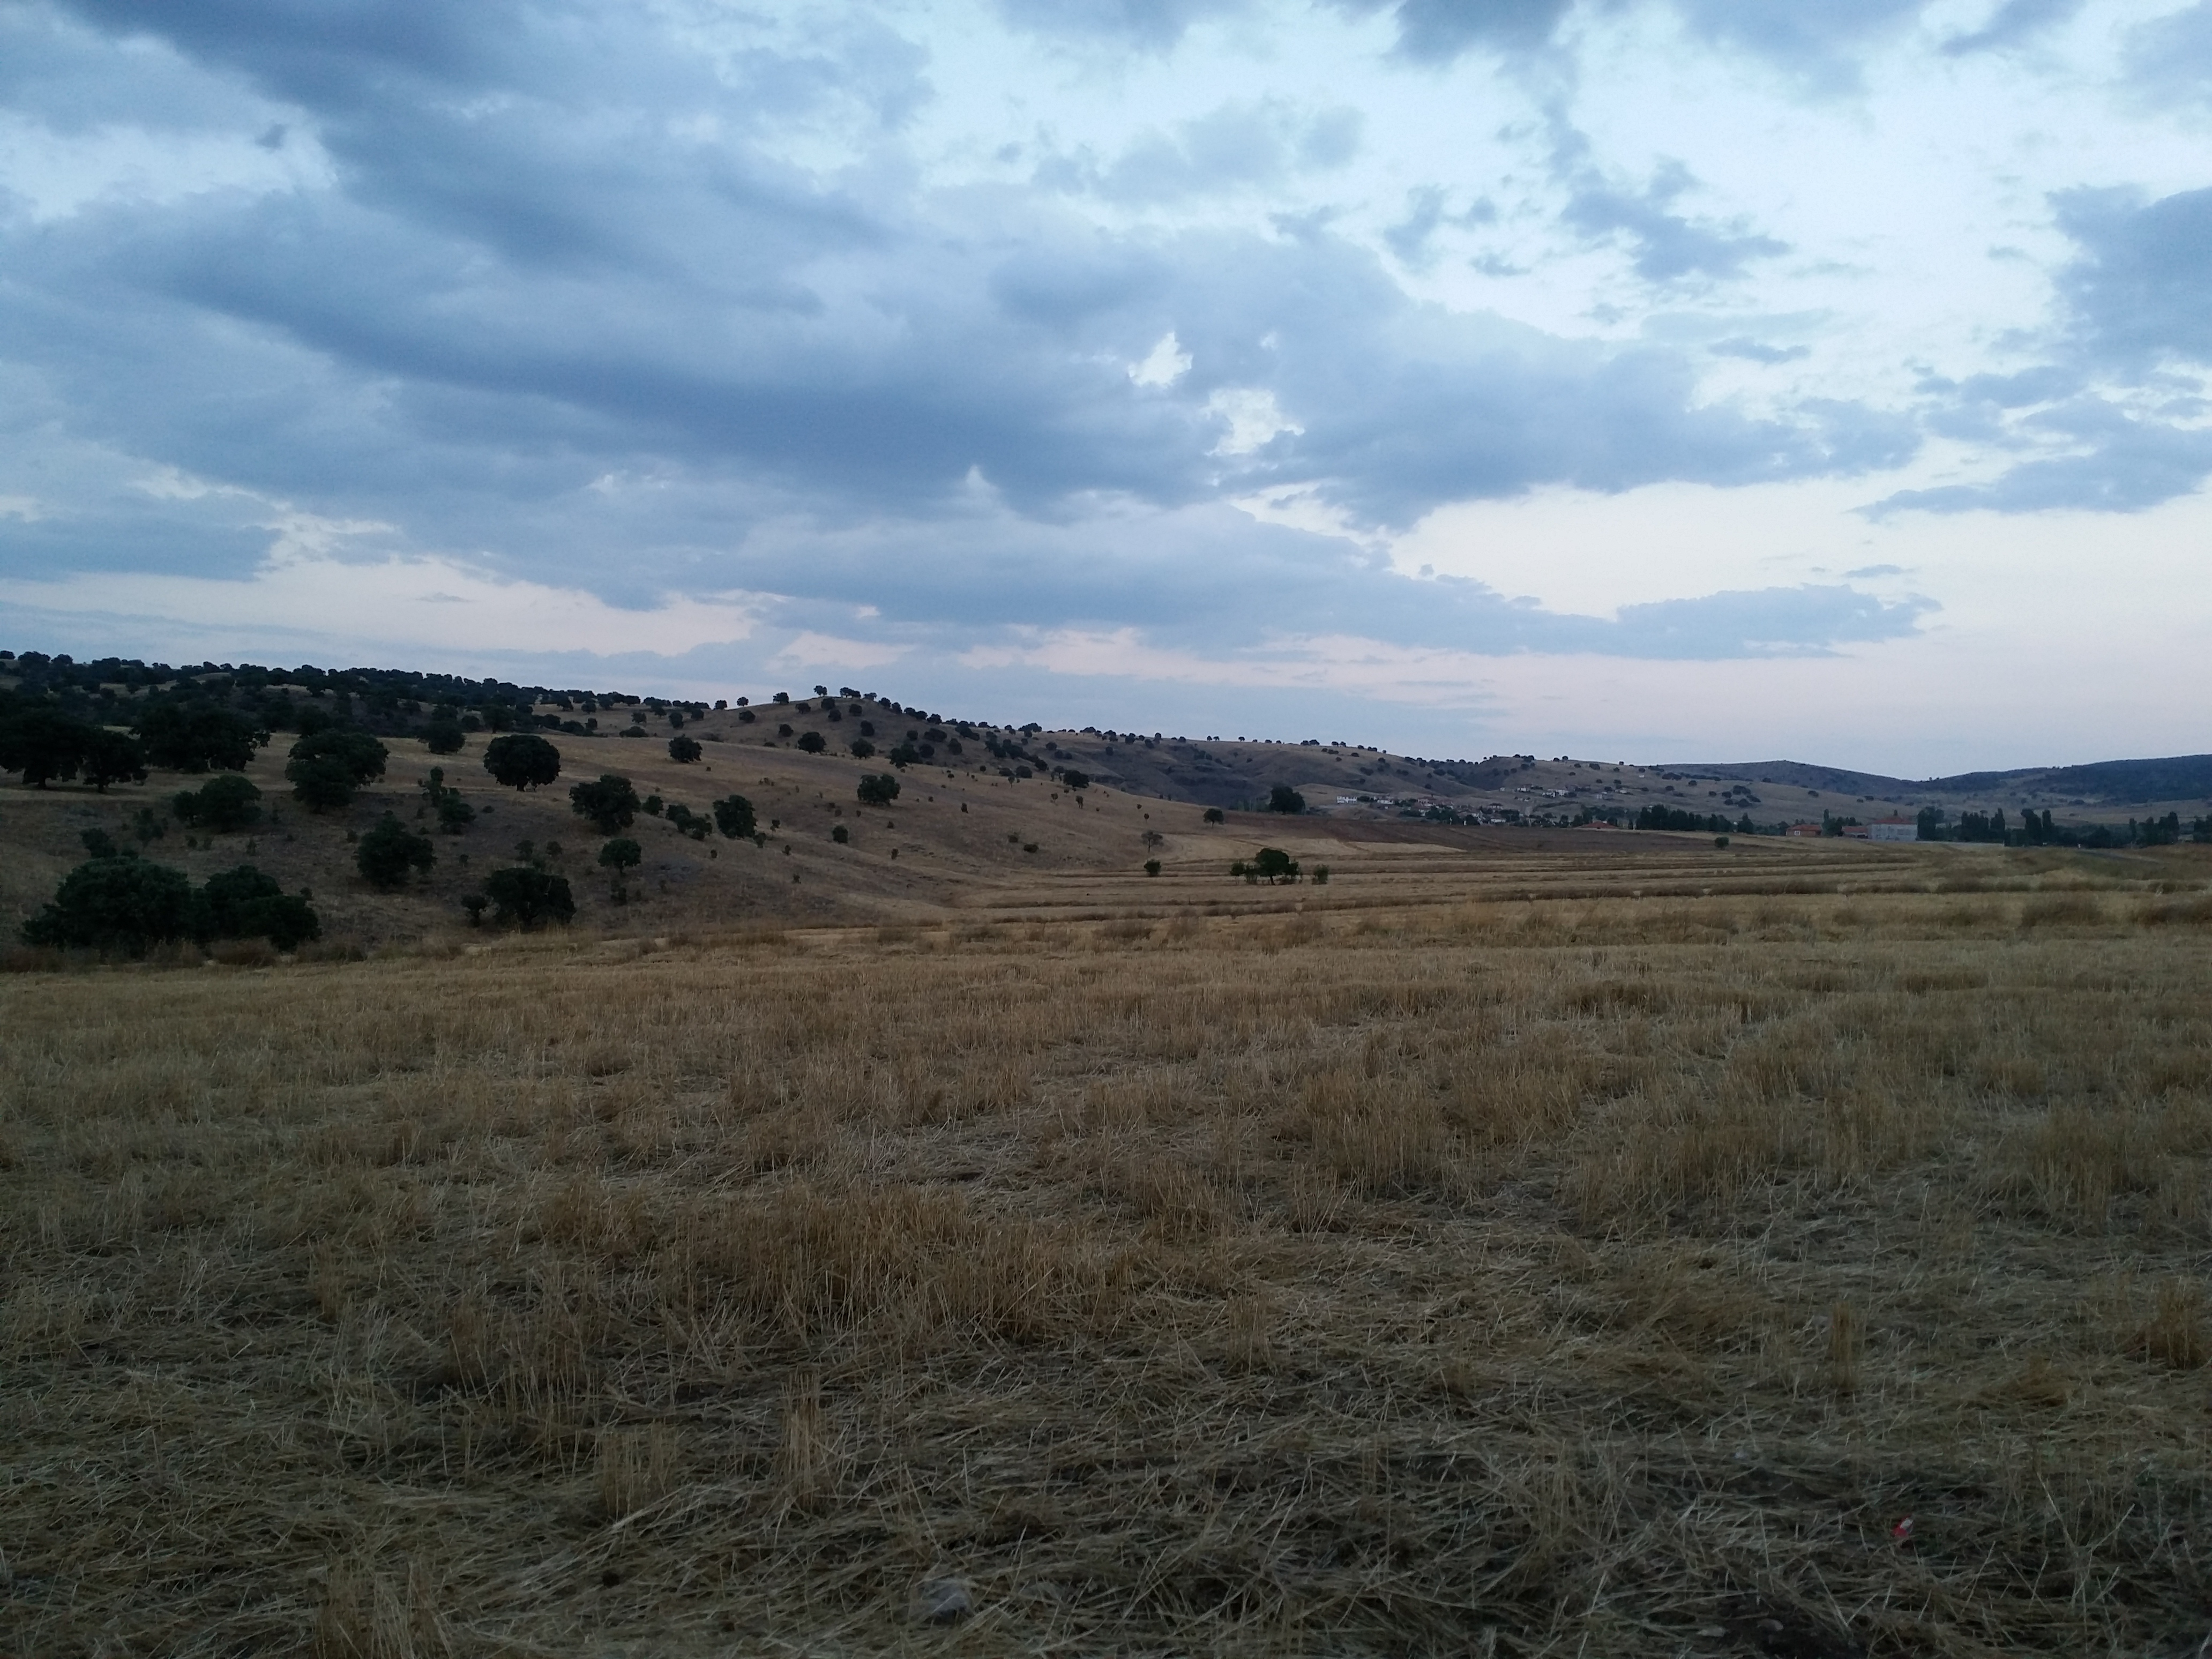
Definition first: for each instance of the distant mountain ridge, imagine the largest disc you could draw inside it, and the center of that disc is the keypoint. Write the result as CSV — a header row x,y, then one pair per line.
x,y
2115,782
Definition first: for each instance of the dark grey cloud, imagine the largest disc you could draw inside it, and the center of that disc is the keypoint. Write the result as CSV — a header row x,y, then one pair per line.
x,y
1810,620
2014,24
1669,247
537,323
1151,24
2136,295
1758,351
2132,322
1236,147
2169,58
1818,44
1438,31
2112,461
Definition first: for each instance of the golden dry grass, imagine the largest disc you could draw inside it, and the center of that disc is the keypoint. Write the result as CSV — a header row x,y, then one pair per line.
x,y
1409,1273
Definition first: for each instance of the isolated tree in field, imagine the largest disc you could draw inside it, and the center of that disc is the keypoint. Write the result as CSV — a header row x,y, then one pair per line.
x,y
454,814
522,759
683,749
734,817
328,767
618,858
198,738
244,903
123,905
225,803
42,743
1284,799
529,898
1075,779
878,789
1152,841
1274,864
444,737
1212,815
389,851
861,748
610,802
111,757
1151,866
812,742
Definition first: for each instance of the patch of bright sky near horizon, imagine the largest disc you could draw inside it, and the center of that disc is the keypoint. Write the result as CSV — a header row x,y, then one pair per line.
x,y
1768,273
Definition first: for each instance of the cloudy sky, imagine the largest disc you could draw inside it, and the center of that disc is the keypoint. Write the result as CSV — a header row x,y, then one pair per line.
x,y
1637,379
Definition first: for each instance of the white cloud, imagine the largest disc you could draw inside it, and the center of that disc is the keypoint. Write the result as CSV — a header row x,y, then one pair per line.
x,y
1252,417
1165,364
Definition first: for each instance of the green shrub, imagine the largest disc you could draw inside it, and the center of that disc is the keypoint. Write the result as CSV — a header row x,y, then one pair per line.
x,y
735,817
124,905
610,802
244,903
878,789
328,767
529,898
522,759
226,803
389,851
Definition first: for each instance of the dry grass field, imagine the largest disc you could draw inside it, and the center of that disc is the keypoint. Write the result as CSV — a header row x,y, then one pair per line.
x,y
1503,1251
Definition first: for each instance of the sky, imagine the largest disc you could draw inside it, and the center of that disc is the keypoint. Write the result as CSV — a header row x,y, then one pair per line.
x,y
1645,379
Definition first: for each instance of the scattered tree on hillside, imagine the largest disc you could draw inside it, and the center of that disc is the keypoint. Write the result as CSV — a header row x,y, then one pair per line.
x,y
610,802
111,757
125,905
1152,840
618,858
197,737
1212,815
1075,779
878,789
42,743
522,759
454,814
683,749
327,768
444,737
245,903
529,898
1284,799
389,851
861,748
734,817
812,742
226,803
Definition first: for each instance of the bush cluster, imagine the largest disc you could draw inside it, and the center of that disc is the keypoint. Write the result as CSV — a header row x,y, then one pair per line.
x,y
124,905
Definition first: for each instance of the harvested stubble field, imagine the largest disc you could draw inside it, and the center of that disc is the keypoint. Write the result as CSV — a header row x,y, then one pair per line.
x,y
1595,1275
